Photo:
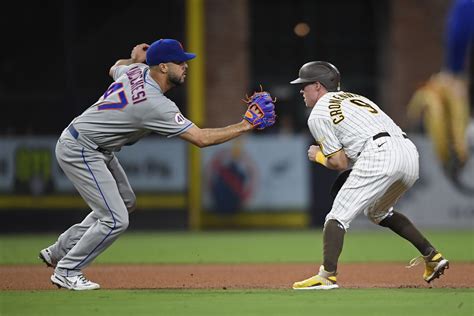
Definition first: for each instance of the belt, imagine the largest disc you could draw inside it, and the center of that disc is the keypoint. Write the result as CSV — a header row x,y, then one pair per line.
x,y
75,134
385,134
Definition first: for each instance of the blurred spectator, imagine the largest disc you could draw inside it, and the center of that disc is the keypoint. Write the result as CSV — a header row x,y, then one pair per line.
x,y
443,101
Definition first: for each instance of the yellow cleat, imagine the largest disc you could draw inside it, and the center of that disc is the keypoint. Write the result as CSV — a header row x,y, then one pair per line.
x,y
435,265
322,281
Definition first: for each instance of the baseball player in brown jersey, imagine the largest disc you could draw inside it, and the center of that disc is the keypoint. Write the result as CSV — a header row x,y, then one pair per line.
x,y
132,107
352,131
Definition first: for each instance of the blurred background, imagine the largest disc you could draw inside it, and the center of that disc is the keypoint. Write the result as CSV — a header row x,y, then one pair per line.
x,y
55,64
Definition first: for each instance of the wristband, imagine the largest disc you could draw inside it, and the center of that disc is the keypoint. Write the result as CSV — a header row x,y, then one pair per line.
x,y
320,158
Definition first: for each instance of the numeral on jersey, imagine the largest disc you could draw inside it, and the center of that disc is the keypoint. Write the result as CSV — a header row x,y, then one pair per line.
x,y
115,87
363,104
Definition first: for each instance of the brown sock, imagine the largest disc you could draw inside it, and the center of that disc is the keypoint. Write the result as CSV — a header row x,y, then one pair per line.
x,y
401,225
333,239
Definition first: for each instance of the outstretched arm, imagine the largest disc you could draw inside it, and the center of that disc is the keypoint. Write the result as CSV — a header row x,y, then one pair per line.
x,y
138,55
260,114
203,137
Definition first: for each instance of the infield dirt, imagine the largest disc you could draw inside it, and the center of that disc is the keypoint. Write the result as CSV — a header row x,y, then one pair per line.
x,y
238,276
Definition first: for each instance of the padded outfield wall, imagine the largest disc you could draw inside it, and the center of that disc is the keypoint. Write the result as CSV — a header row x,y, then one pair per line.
x,y
255,181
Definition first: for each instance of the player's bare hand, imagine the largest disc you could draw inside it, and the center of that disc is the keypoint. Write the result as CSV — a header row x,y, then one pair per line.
x,y
312,151
139,53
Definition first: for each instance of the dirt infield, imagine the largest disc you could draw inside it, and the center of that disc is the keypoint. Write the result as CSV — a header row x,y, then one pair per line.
x,y
238,276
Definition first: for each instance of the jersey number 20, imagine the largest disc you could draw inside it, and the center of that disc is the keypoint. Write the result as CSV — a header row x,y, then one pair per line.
x,y
116,87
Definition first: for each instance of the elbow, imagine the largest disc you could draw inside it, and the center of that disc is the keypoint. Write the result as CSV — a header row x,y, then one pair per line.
x,y
205,139
206,143
202,142
200,137
197,137
111,71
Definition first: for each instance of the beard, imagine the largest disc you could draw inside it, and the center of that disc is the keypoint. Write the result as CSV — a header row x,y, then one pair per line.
x,y
175,80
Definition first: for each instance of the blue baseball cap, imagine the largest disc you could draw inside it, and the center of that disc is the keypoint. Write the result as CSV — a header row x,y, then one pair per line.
x,y
166,50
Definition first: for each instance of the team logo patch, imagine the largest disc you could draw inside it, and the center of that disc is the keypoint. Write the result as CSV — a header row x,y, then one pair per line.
x,y
179,118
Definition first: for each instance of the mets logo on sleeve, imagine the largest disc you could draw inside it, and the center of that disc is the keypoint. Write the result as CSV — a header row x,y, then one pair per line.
x,y
179,118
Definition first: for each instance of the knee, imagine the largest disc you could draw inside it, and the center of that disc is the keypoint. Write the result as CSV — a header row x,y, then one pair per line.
x,y
374,219
334,221
121,224
378,217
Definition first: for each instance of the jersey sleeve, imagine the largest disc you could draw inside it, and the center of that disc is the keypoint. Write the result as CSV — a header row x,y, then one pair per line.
x,y
166,119
120,70
323,133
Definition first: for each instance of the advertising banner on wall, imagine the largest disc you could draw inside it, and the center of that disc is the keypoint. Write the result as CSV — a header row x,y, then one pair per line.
x,y
250,174
28,166
156,164
257,174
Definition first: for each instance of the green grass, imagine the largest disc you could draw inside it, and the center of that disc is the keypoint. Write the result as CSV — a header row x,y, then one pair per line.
x,y
237,247
247,246
240,302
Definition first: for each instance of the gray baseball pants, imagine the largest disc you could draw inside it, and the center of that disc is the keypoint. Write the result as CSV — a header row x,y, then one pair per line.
x,y
101,181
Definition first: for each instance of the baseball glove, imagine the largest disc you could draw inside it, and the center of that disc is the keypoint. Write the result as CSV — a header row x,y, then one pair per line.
x,y
339,182
260,109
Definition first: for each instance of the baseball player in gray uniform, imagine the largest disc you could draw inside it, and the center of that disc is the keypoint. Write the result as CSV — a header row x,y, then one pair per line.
x,y
133,106
352,131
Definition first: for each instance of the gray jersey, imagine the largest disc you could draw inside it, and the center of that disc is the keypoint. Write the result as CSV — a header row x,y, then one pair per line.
x,y
342,120
132,107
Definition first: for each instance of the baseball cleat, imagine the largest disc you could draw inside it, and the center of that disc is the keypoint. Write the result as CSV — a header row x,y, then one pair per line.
x,y
435,265
322,281
47,258
75,283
